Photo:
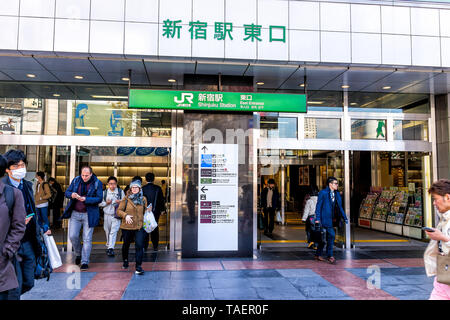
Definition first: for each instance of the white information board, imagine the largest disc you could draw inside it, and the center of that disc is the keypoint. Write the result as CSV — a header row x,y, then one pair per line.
x,y
218,197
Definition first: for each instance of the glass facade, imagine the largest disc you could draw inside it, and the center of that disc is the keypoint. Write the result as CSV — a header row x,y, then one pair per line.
x,y
278,127
322,128
369,129
410,130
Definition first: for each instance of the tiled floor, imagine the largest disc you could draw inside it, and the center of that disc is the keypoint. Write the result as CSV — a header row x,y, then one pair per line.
x,y
272,274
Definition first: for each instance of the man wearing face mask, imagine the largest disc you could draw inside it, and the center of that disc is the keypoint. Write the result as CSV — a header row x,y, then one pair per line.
x,y
85,193
30,246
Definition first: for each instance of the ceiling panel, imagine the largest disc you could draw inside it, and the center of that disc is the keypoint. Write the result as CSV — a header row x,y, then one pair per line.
x,y
114,70
77,66
272,76
356,79
225,69
160,72
15,90
88,77
21,75
48,90
19,63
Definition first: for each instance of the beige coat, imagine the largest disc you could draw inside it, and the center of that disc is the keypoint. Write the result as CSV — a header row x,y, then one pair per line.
x,y
136,212
432,250
42,193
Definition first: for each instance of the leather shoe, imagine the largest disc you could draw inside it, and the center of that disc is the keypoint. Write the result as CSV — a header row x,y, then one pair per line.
x,y
319,258
78,260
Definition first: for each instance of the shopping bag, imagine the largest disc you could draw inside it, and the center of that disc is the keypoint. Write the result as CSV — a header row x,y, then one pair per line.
x,y
150,223
443,270
278,217
53,253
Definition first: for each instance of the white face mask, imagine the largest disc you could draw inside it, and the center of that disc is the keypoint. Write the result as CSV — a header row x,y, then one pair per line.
x,y
19,174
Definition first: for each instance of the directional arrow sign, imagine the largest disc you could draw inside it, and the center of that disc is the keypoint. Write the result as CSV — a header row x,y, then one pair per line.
x,y
203,189
204,149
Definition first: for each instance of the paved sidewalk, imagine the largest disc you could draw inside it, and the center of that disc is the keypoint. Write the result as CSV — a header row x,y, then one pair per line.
x,y
273,275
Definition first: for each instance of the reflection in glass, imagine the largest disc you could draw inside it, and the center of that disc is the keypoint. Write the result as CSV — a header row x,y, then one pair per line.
x,y
317,128
274,127
410,130
369,129
113,118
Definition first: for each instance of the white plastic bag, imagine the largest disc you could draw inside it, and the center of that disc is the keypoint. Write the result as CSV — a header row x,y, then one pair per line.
x,y
53,253
278,217
149,221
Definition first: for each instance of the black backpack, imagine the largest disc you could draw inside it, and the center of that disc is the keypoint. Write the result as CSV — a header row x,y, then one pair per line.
x,y
43,266
53,192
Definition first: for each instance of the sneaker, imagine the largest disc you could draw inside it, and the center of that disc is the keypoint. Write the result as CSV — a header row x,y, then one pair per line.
x,y
319,258
84,267
125,264
139,271
78,260
331,260
110,253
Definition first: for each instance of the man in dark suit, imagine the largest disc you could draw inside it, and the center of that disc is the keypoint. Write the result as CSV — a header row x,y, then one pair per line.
x,y
270,202
154,195
329,201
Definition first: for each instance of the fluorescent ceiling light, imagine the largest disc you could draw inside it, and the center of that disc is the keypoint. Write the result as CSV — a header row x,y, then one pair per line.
x,y
109,97
386,87
301,85
56,95
125,79
172,80
78,77
345,87
260,83
353,104
315,102
29,75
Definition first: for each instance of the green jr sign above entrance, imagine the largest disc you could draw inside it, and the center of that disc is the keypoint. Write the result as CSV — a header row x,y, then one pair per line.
x,y
216,101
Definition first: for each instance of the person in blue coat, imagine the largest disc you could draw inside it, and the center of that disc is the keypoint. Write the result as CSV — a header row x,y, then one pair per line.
x,y
85,193
329,201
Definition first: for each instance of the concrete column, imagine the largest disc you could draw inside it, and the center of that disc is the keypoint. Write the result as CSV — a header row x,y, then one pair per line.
x,y
442,116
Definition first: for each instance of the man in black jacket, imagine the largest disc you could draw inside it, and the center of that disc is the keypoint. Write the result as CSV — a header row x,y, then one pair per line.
x,y
270,202
30,246
154,195
58,203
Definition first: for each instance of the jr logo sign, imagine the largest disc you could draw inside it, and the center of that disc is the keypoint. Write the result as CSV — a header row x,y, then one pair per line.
x,y
184,95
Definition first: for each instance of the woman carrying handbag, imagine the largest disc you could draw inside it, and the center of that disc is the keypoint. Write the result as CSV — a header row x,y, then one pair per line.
x,y
437,254
131,210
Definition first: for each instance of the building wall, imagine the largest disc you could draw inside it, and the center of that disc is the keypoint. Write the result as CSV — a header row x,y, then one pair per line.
x,y
406,33
443,135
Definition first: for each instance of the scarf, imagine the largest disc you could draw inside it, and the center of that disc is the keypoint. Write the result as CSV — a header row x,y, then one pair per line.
x,y
430,255
84,185
138,198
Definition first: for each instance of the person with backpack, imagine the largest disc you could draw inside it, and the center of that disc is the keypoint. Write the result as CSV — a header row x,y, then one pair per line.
x,y
31,245
131,210
41,198
111,200
155,196
308,214
85,194
12,230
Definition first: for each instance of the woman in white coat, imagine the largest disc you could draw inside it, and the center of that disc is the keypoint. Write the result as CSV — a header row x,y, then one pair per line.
x,y
440,191
309,213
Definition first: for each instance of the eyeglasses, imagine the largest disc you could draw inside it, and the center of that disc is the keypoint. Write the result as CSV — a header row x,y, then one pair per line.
x,y
17,166
335,182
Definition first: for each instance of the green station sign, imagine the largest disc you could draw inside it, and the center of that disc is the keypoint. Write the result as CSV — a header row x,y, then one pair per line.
x,y
216,101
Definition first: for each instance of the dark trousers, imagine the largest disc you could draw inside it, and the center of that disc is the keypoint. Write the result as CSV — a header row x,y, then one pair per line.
x,y
308,230
138,236
154,236
331,235
5,295
269,219
56,216
24,270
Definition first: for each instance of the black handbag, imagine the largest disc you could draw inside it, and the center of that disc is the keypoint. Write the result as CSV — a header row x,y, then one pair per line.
x,y
260,221
318,233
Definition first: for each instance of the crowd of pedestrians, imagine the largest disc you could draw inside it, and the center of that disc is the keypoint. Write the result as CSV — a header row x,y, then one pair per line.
x,y
24,218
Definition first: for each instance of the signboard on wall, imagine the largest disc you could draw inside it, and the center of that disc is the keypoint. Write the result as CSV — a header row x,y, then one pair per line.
x,y
217,101
218,197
